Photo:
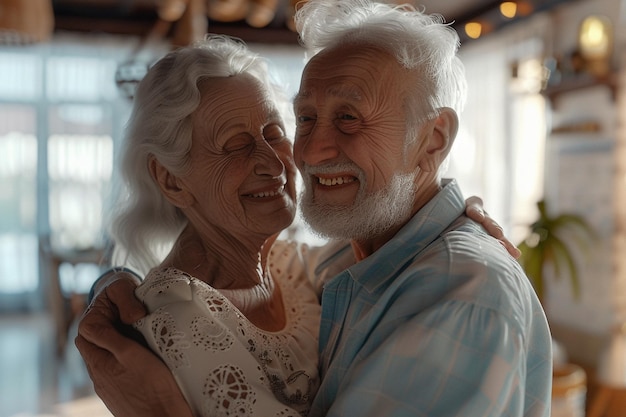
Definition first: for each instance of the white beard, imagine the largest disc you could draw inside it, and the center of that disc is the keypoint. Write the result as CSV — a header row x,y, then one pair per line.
x,y
370,215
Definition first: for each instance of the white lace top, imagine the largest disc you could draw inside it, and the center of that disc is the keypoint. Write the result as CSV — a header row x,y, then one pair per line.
x,y
224,365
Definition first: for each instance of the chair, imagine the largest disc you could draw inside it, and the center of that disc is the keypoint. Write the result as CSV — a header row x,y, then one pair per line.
x,y
65,307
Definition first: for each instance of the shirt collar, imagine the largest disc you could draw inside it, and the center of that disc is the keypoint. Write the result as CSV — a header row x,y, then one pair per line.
x,y
421,230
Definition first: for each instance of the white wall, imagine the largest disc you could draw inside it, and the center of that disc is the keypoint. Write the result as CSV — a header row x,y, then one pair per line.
x,y
582,170
581,178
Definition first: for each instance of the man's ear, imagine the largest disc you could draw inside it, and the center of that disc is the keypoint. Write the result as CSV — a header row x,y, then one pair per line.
x,y
444,130
169,184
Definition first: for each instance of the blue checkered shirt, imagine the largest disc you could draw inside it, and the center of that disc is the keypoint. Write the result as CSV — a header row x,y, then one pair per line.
x,y
441,321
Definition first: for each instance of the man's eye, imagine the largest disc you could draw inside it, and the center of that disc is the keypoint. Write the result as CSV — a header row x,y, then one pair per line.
x,y
346,116
304,119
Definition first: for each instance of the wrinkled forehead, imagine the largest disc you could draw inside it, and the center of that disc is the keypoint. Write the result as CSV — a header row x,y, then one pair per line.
x,y
240,101
350,71
238,84
358,57
238,90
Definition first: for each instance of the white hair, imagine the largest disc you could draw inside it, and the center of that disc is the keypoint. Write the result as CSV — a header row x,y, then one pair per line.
x,y
144,224
417,41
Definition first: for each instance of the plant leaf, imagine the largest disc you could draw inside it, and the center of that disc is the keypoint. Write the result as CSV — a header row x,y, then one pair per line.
x,y
563,255
532,261
575,222
556,234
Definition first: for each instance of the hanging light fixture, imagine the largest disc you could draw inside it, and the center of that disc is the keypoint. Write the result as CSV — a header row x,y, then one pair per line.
x,y
595,44
25,21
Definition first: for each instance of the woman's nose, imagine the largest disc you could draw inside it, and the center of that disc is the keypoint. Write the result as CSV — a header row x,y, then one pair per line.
x,y
268,162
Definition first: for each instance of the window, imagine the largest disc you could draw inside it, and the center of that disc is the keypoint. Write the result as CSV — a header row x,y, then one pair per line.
x,y
499,152
61,117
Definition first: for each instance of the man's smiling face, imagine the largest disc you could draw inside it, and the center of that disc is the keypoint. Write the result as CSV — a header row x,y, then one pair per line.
x,y
350,142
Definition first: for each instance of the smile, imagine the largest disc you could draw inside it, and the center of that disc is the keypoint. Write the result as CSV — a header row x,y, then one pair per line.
x,y
270,193
335,181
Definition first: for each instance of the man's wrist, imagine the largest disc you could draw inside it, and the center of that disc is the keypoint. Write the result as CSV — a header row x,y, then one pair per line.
x,y
105,279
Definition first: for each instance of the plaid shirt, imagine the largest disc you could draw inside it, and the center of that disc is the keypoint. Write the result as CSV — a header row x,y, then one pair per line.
x,y
440,321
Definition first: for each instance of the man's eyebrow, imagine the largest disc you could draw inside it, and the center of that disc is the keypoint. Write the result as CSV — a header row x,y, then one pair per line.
x,y
347,93
300,96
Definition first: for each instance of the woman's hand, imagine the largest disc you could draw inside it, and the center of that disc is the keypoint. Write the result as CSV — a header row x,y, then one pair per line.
x,y
128,377
475,211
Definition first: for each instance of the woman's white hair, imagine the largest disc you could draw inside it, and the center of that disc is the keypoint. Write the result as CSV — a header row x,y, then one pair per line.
x,y
144,224
417,41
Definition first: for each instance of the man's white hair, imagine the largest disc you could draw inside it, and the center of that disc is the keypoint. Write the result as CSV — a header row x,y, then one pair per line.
x,y
417,41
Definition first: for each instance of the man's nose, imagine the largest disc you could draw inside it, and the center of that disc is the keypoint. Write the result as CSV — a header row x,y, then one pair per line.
x,y
320,146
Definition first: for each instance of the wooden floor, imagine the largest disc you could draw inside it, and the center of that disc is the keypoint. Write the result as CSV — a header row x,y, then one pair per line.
x,y
34,382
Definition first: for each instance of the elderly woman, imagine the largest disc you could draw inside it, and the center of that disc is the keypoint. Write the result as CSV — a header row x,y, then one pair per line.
x,y
210,179
232,311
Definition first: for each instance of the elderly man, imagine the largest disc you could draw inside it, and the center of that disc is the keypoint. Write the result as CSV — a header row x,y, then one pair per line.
x,y
434,318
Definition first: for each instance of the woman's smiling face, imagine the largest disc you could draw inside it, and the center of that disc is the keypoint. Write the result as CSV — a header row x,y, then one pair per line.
x,y
242,175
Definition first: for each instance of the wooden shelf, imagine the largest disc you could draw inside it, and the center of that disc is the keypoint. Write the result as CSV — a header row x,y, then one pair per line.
x,y
580,82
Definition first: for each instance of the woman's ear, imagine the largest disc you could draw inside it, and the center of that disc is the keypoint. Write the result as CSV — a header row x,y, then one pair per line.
x,y
170,185
444,130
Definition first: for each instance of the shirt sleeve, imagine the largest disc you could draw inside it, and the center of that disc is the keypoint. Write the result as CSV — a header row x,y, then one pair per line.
x,y
456,360
109,276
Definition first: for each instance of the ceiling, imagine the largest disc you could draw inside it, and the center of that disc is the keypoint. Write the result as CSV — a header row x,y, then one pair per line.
x,y
455,9
138,17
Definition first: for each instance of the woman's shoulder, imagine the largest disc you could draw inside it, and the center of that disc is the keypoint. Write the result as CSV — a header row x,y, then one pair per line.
x,y
159,280
287,265
286,257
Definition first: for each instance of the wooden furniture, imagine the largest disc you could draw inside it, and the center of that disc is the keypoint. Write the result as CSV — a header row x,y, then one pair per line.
x,y
607,402
26,21
582,82
65,307
569,390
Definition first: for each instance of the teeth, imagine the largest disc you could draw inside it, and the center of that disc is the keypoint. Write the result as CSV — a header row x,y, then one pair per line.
x,y
335,181
268,193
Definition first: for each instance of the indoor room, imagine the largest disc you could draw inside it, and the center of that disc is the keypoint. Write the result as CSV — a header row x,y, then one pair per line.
x,y
541,140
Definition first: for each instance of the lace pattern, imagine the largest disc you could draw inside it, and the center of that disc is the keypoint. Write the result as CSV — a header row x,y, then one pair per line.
x,y
224,365
208,334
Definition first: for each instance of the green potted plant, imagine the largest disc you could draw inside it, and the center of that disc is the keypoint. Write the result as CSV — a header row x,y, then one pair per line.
x,y
548,243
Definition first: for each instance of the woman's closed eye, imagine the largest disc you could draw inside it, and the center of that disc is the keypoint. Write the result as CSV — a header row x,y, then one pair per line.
x,y
238,143
274,133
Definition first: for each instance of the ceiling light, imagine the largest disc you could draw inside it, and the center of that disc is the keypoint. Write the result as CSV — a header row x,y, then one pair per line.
x,y
595,37
473,29
508,9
